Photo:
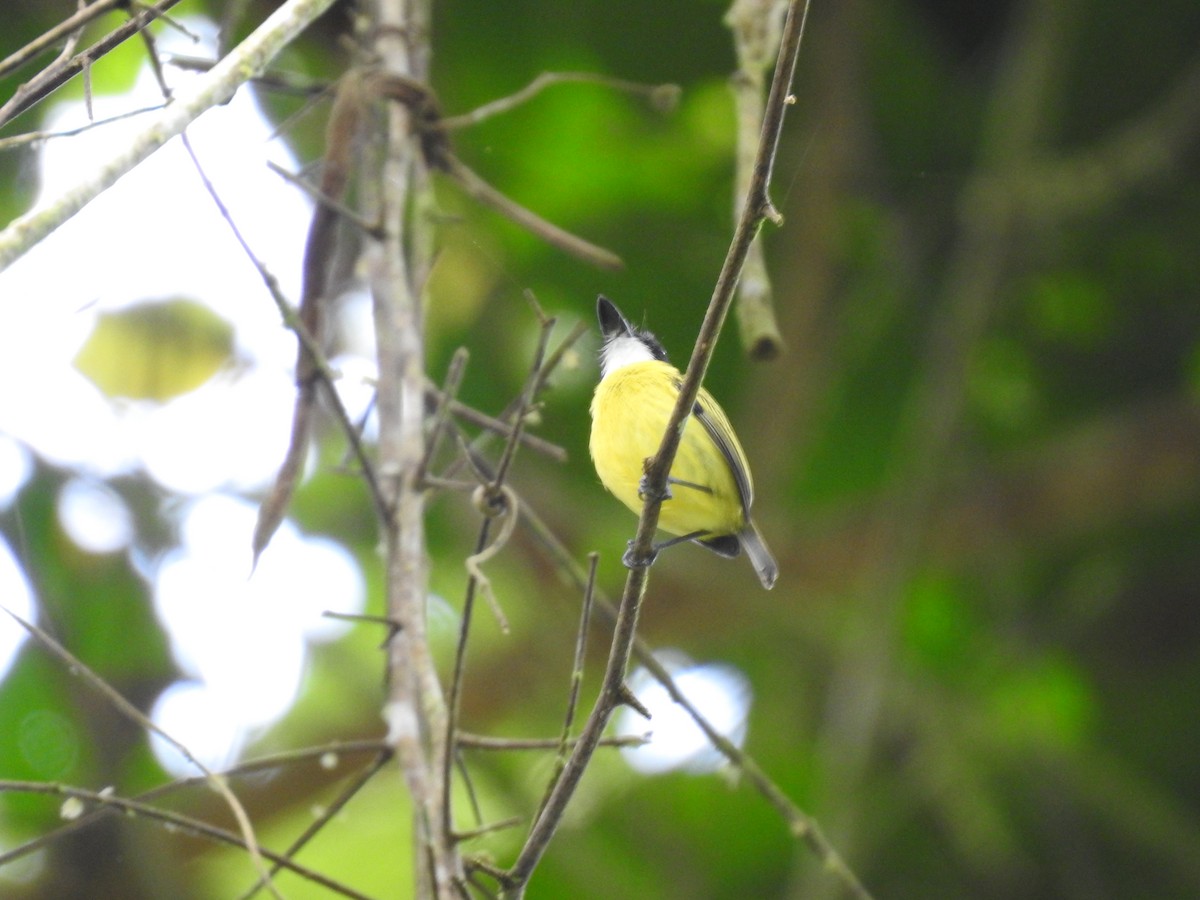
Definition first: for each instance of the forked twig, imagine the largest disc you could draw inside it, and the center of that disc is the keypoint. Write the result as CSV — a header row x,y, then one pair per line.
x,y
585,617
663,97
495,494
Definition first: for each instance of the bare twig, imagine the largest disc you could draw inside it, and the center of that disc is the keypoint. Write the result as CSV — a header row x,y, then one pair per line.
x,y
59,32
498,497
756,28
585,617
484,742
490,828
334,204
483,192
279,82
32,138
178,822
445,400
664,97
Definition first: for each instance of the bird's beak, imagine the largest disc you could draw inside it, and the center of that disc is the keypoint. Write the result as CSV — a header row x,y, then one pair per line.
x,y
612,323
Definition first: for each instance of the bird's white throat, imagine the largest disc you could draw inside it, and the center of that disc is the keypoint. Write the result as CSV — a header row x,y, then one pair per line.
x,y
620,351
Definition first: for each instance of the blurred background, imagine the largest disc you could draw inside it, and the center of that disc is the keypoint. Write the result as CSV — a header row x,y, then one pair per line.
x,y
977,459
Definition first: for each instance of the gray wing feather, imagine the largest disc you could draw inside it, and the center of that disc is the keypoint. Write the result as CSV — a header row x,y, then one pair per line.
x,y
745,492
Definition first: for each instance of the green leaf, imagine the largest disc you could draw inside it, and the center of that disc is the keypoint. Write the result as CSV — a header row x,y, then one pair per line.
x,y
1072,307
155,351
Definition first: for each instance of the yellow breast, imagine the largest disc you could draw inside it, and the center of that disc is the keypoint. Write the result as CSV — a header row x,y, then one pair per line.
x,y
629,413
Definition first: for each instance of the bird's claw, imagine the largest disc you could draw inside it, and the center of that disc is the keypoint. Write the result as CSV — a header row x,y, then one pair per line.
x,y
633,561
644,491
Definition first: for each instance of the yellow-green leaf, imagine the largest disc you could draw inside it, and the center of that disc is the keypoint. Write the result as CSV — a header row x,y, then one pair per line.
x,y
155,351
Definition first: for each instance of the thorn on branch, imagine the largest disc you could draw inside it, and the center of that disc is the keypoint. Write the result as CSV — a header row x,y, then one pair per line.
x,y
626,697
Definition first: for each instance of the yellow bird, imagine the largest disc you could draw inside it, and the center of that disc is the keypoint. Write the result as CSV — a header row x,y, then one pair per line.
x,y
710,489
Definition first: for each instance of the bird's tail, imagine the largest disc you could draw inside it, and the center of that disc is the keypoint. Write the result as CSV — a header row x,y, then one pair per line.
x,y
760,556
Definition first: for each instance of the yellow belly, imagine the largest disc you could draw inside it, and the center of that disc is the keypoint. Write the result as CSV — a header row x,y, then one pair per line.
x,y
629,412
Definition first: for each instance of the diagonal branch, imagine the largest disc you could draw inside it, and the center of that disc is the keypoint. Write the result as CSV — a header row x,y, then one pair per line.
x,y
60,32
177,822
244,62
57,74
614,691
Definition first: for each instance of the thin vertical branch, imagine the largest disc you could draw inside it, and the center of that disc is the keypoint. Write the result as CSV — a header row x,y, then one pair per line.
x,y
398,261
495,500
756,26
614,692
585,618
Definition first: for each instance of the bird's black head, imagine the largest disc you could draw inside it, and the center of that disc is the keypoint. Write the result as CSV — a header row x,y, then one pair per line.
x,y
614,325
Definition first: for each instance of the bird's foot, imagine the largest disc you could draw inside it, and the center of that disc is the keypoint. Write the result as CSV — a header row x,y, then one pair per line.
x,y
644,492
632,561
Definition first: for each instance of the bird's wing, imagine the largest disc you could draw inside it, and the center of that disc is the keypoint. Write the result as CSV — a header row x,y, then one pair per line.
x,y
711,416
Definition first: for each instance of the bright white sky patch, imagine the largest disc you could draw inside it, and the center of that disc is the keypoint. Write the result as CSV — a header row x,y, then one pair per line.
x,y
15,595
242,637
157,235
94,516
356,379
231,432
192,715
721,693
15,468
